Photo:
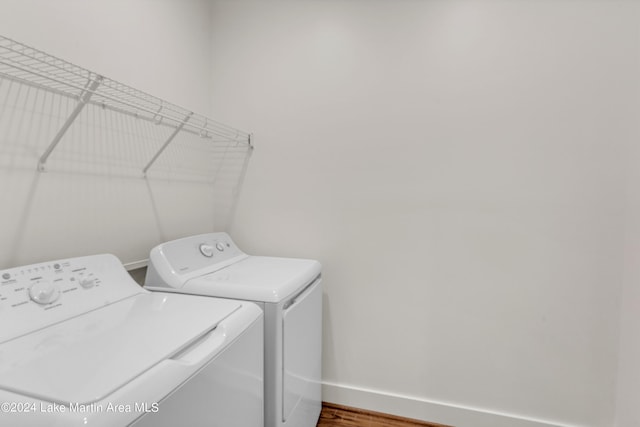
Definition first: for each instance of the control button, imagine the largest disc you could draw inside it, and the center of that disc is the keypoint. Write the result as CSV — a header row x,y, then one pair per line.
x,y
6,276
220,246
44,292
206,250
87,282
56,266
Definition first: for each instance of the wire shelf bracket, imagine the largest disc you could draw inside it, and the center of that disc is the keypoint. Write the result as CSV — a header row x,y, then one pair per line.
x,y
166,144
84,98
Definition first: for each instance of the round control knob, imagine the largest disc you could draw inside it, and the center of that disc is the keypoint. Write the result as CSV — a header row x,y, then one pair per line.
x,y
44,292
87,282
206,250
220,246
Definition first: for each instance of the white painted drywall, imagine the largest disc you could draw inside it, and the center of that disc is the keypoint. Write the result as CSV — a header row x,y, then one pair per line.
x,y
459,169
162,47
628,390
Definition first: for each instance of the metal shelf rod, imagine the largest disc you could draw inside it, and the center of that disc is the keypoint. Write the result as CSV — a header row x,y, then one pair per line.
x,y
191,128
155,114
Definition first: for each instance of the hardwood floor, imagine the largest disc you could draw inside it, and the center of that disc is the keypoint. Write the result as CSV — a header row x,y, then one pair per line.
x,y
333,415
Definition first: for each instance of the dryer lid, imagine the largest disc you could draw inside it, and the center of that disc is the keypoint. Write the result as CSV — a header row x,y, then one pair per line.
x,y
86,358
257,278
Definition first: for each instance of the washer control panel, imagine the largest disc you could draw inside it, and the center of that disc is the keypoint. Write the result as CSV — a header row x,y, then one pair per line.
x,y
173,263
201,251
37,295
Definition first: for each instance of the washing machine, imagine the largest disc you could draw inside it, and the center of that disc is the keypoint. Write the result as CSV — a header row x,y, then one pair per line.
x,y
290,293
82,344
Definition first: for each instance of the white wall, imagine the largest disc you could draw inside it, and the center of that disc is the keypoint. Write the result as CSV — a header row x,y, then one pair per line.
x,y
628,390
458,168
159,46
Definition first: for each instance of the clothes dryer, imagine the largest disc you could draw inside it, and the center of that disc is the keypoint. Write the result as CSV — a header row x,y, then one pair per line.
x,y
82,344
290,293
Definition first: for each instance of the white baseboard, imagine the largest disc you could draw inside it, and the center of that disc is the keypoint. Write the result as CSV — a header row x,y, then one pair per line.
x,y
426,410
136,264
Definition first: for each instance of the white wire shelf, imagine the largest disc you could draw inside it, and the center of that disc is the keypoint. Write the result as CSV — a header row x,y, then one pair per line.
x,y
26,65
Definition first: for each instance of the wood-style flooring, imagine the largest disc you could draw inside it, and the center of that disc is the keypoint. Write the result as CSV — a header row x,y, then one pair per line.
x,y
333,415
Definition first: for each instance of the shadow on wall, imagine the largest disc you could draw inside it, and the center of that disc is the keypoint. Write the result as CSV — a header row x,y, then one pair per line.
x,y
92,195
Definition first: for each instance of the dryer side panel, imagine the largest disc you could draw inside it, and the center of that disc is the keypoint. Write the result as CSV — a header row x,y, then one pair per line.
x,y
302,358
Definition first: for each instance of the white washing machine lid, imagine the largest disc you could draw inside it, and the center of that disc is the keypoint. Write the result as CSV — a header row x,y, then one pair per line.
x,y
257,278
86,358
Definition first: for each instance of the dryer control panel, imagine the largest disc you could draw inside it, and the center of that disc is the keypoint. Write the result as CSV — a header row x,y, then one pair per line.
x,y
38,295
172,263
